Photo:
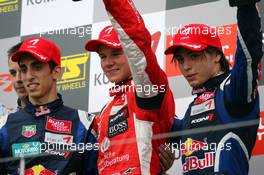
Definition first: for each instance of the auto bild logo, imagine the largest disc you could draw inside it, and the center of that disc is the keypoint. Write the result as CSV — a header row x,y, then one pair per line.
x,y
74,72
8,6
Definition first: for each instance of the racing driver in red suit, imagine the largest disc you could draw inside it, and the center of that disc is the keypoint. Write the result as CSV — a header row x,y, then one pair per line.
x,y
142,103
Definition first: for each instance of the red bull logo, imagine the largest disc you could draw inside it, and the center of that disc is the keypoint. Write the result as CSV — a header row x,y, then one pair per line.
x,y
193,163
38,170
190,146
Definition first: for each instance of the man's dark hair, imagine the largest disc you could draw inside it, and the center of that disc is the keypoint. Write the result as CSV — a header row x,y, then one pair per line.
x,y
211,50
223,60
13,49
52,65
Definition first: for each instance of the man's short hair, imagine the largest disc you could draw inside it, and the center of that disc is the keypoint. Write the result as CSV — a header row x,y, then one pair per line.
x,y
13,49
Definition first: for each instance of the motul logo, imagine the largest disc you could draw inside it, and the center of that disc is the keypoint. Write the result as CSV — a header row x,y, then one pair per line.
x,y
193,163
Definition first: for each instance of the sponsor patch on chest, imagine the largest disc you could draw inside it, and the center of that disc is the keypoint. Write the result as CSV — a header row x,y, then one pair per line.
x,y
59,126
58,138
204,97
118,123
203,107
29,130
193,163
203,119
25,149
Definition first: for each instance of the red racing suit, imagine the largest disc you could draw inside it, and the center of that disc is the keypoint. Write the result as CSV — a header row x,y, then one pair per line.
x,y
140,109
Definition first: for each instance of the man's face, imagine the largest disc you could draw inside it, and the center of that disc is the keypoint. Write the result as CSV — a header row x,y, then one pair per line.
x,y
197,66
16,81
114,64
38,79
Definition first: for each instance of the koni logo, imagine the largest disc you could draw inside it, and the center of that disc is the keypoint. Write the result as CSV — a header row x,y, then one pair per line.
x,y
38,2
228,41
74,69
8,6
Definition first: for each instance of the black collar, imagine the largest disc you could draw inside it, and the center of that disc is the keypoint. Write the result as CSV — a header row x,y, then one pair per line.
x,y
210,84
40,110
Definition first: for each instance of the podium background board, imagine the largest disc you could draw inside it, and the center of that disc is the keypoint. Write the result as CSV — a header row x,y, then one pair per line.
x,y
83,85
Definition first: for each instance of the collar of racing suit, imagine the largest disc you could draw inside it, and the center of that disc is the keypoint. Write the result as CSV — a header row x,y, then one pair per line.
x,y
41,110
210,84
120,88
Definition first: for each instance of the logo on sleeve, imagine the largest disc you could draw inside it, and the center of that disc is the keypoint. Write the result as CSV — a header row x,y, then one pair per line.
x,y
118,123
59,126
29,131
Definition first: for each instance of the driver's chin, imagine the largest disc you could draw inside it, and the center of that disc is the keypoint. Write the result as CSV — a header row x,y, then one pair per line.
x,y
194,84
114,79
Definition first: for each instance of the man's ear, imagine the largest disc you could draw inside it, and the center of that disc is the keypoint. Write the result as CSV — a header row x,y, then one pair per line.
x,y
217,57
57,73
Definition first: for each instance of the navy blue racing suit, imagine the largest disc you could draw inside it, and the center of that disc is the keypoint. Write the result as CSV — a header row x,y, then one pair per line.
x,y
228,98
48,129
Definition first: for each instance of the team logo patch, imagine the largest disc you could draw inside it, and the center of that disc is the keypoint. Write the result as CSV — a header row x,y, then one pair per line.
x,y
29,130
203,107
58,138
38,170
25,149
118,123
204,97
190,146
42,110
194,163
105,144
59,126
208,118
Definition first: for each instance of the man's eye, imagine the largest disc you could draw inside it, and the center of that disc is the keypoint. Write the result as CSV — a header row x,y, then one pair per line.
x,y
37,66
179,59
23,70
195,55
116,54
13,73
102,56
